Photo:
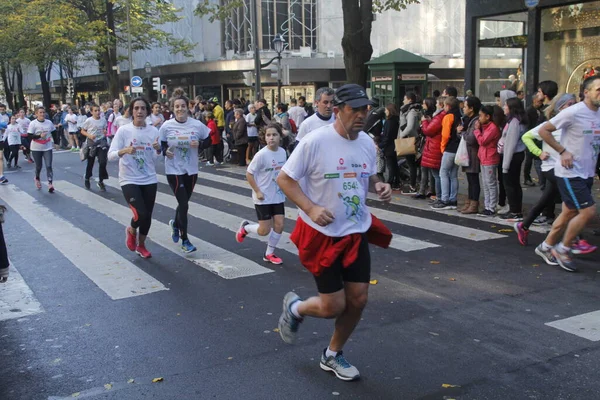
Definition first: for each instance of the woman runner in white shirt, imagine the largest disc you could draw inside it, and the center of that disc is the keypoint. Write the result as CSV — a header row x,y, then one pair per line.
x,y
136,147
156,117
180,138
40,132
268,198
13,137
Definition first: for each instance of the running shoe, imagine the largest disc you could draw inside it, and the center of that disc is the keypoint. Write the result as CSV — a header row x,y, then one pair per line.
x,y
241,233
30,161
187,247
273,259
101,186
564,260
288,323
130,239
419,196
339,366
209,164
529,183
50,187
511,217
87,184
522,233
174,231
502,209
38,184
73,149
410,191
583,247
3,180
444,205
143,252
542,220
546,255
486,213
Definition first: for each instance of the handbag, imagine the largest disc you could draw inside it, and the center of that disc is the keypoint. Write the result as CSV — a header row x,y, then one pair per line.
x,y
405,146
462,154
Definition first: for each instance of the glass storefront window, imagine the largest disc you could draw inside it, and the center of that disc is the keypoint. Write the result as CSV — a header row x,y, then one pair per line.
x,y
570,44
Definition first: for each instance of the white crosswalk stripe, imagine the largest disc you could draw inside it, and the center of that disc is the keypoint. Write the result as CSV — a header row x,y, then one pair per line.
x,y
401,219
210,257
111,272
16,298
399,242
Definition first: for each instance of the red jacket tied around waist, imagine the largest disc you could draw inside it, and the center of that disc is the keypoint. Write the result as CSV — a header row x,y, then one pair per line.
x,y
318,251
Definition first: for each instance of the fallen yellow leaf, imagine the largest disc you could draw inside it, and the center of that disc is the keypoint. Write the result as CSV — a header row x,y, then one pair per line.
x,y
447,385
505,230
157,380
535,265
452,279
108,386
493,226
434,262
276,330
76,394
131,380
373,282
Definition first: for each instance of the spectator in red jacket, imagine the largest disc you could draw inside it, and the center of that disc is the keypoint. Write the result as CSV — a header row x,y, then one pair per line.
x,y
431,159
215,150
488,134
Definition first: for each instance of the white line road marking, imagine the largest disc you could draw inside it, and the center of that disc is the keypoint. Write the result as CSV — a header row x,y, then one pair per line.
x,y
392,216
16,298
216,217
399,242
208,256
586,325
112,273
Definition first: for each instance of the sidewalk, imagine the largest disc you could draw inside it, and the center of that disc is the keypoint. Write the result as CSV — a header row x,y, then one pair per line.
x,y
530,197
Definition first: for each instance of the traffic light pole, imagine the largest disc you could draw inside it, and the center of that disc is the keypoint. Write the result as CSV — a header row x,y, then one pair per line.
x,y
279,79
257,66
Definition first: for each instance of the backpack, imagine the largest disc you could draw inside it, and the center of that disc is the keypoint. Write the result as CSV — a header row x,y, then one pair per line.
x,y
293,126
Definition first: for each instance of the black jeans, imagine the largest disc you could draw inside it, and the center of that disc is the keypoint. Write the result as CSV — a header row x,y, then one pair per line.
x,y
215,151
102,154
474,186
411,161
546,203
14,154
141,200
46,156
391,164
512,183
241,151
182,187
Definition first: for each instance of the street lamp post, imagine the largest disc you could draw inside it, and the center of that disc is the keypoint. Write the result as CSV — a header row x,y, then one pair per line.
x,y
278,44
129,47
148,69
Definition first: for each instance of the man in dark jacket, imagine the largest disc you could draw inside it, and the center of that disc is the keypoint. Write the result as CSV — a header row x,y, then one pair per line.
x,y
375,118
263,115
240,136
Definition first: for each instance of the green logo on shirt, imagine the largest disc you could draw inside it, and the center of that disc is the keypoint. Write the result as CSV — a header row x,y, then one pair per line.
x,y
332,176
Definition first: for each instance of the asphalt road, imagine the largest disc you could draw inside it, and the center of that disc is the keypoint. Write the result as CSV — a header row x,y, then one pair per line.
x,y
461,316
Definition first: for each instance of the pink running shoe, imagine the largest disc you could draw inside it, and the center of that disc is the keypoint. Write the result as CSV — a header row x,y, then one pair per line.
x,y
273,259
143,252
522,233
583,247
241,233
50,187
38,183
130,239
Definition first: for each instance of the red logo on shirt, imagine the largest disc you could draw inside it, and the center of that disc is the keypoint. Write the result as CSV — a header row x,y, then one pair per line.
x,y
341,161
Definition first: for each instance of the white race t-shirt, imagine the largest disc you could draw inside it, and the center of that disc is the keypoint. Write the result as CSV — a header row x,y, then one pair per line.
x,y
71,120
265,167
96,127
581,137
24,124
119,122
41,128
157,118
335,173
138,168
312,123
179,136
252,130
13,134
298,114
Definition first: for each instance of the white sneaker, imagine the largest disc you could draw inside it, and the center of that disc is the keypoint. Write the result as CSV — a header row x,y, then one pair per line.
x,y
502,210
209,164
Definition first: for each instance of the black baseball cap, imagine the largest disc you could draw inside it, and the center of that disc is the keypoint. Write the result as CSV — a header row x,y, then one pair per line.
x,y
353,95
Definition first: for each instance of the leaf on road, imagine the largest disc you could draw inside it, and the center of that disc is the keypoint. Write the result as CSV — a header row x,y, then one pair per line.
x,y
447,385
276,330
131,380
535,265
505,230
108,386
76,394
434,262
157,380
452,279
493,226
230,358
373,282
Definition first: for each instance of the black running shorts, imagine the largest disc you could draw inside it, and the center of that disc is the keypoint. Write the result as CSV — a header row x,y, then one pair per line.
x,y
264,212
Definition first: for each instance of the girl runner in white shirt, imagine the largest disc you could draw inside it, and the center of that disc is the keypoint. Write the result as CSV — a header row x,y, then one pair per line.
x,y
25,141
180,138
71,120
156,117
13,137
94,128
268,198
40,132
136,147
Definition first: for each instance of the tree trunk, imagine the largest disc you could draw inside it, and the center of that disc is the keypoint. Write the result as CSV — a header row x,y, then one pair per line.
x,y
7,89
110,53
45,86
356,42
20,94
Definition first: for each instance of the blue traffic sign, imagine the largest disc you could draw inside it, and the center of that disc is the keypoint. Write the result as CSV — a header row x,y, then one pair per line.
x,y
532,3
136,81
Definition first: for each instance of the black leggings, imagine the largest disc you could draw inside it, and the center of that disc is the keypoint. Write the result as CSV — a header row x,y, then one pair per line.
x,y
501,189
474,186
14,154
411,161
391,163
512,183
38,156
102,155
141,200
182,187
547,201
241,151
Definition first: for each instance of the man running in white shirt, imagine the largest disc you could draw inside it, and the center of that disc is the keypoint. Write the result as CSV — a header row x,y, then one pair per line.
x,y
578,149
324,115
337,164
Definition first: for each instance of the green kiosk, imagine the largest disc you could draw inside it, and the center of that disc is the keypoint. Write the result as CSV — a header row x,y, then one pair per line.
x,y
396,73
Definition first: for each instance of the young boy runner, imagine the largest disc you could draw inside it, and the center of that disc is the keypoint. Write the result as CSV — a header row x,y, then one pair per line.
x,y
337,165
268,198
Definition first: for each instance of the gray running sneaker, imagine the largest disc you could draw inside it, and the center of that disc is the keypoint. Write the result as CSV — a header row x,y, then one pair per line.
x,y
339,366
546,255
288,323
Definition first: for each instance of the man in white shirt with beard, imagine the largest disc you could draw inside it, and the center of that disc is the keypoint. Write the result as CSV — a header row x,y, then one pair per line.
x,y
324,115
